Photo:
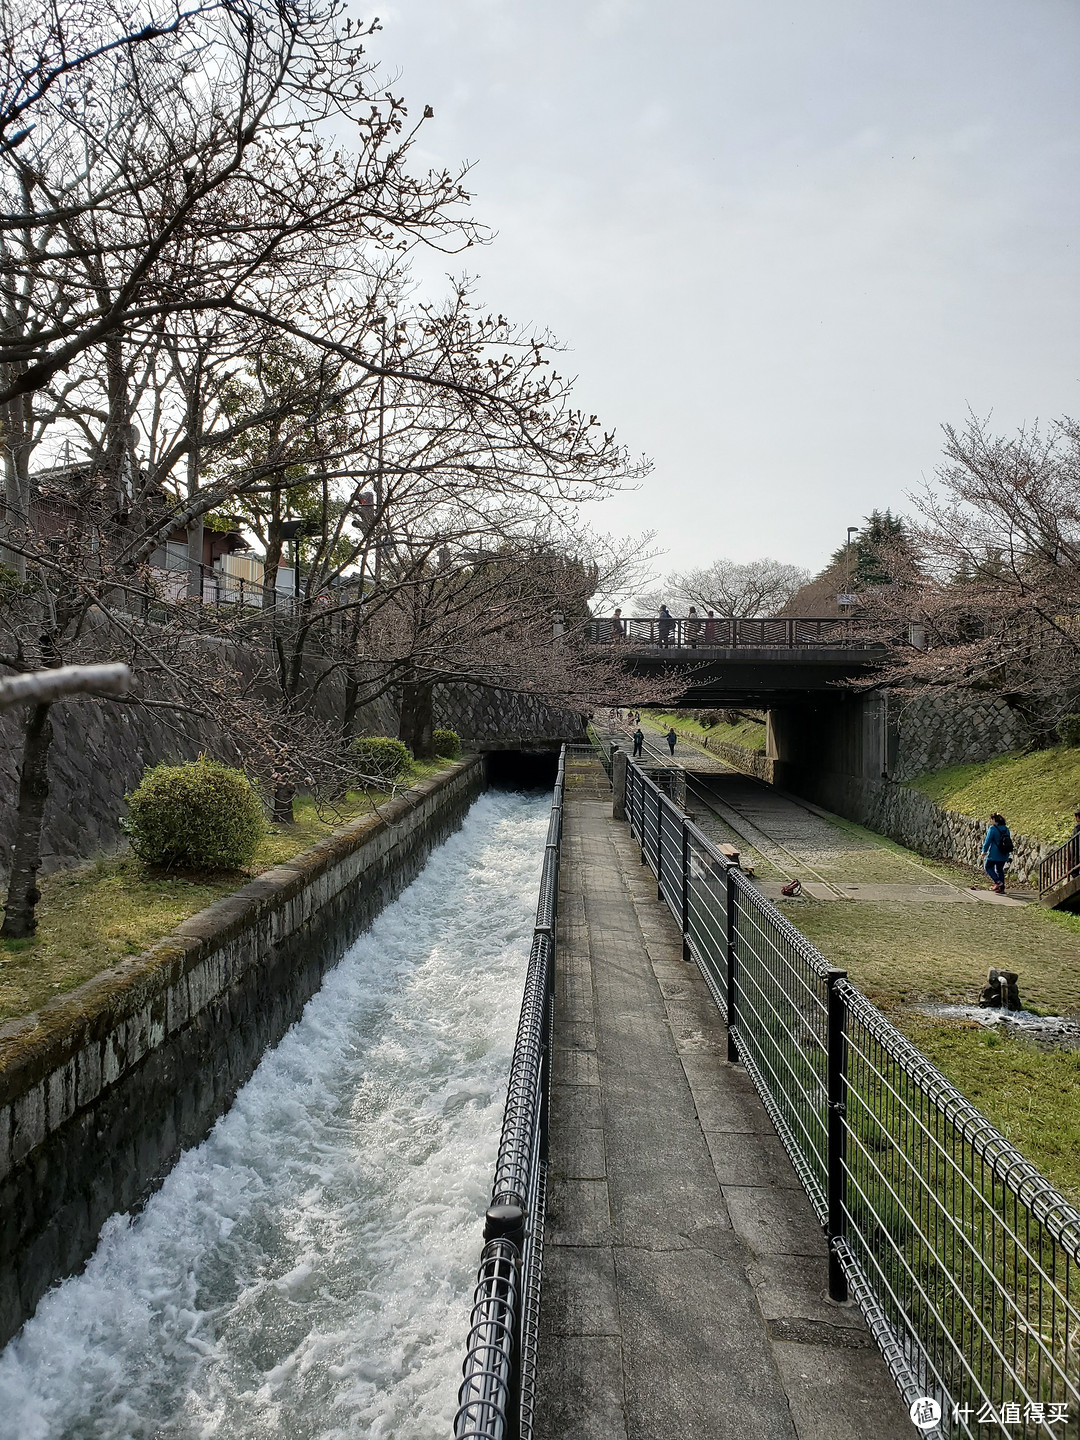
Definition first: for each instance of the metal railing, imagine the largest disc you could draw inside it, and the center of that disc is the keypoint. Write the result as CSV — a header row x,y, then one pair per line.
x,y
1060,865
963,1258
497,1397
727,633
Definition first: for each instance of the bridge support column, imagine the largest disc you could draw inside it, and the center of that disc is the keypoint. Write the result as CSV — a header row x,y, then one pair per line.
x,y
781,746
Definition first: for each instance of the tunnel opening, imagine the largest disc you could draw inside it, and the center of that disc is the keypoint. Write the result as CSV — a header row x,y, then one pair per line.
x,y
521,769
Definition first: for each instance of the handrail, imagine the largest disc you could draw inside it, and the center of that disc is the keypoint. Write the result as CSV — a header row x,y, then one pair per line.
x,y
1060,865
964,1259
729,632
497,1395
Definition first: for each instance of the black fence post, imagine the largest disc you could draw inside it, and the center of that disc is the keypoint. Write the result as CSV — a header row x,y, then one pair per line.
x,y
659,845
685,893
836,1068
732,946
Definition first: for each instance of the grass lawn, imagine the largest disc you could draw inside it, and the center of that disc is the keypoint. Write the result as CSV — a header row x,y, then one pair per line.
x,y
91,917
748,734
1031,1096
1037,792
899,955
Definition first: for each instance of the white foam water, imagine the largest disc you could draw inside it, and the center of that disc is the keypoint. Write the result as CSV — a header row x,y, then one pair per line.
x,y
307,1271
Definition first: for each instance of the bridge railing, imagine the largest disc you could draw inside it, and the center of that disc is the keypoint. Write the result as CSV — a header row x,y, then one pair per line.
x,y
963,1258
726,633
1060,865
496,1400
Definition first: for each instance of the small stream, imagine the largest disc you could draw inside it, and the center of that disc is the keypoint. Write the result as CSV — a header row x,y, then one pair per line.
x,y
307,1271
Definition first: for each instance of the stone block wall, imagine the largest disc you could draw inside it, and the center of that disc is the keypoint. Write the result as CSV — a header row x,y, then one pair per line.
x,y
933,732
99,752
912,819
491,719
102,1089
750,762
101,748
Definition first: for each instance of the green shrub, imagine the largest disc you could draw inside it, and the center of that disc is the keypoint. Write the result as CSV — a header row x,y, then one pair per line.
x,y
447,744
1069,730
199,816
379,760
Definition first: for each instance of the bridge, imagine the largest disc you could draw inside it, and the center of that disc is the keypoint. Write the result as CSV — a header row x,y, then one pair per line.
x,y
724,661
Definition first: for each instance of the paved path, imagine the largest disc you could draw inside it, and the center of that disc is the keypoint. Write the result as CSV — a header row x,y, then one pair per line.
x,y
685,1273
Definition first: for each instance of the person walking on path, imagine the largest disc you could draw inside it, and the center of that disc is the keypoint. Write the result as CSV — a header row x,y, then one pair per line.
x,y
618,630
997,847
693,627
639,740
671,737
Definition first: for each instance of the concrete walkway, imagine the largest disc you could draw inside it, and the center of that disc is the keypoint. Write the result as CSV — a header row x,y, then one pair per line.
x,y
685,1273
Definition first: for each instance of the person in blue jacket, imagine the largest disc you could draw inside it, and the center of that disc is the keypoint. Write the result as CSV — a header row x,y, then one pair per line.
x,y
996,848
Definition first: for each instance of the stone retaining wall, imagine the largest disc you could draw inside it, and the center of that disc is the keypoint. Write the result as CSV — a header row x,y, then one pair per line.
x,y
750,762
102,1089
935,731
491,719
101,749
99,752
912,819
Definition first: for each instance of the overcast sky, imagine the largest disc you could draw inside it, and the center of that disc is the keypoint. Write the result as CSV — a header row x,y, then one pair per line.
x,y
783,241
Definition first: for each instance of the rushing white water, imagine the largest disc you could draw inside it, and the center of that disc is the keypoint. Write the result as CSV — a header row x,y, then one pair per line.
x,y
307,1271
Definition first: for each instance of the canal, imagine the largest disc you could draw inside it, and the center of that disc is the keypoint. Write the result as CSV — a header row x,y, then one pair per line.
x,y
307,1271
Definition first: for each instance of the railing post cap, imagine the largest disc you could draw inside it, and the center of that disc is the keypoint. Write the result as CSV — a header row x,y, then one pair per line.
x,y
504,1222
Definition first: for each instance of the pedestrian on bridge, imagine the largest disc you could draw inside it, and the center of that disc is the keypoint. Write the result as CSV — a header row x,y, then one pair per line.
x,y
671,738
997,846
665,625
693,627
639,741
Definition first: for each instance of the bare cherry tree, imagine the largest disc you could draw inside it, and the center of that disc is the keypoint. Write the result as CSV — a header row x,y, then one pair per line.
x,y
987,595
746,589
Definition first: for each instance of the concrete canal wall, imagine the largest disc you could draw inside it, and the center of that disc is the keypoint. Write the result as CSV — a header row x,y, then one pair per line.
x,y
102,1089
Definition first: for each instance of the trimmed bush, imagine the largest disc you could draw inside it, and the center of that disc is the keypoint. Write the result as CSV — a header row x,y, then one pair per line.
x,y
379,760
446,743
199,816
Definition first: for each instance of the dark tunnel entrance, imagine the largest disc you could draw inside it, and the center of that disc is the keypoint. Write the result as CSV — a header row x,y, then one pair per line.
x,y
522,769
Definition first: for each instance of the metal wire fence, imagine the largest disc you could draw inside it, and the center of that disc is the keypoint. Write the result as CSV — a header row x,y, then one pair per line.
x,y
497,1397
963,1258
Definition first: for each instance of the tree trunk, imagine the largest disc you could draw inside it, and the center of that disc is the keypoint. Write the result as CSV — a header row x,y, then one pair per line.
x,y
195,554
275,545
18,427
283,804
416,725
20,919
